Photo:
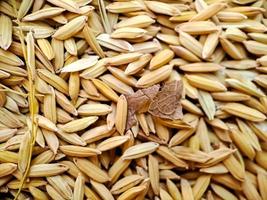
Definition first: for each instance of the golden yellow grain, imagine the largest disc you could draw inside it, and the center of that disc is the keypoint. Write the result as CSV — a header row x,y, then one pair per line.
x,y
121,114
70,29
91,170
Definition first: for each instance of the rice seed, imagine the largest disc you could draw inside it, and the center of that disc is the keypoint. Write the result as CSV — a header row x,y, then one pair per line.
x,y
105,90
95,71
234,167
7,168
125,183
24,8
121,7
191,43
116,84
205,83
137,65
183,17
201,67
245,87
255,47
242,142
208,12
61,19
140,150
140,21
202,133
227,16
262,183
35,183
245,9
128,33
44,170
121,75
91,40
235,34
58,48
187,192
243,111
46,123
94,109
162,8
74,86
71,28
207,104
78,192
223,193
114,44
250,190
81,64
111,117
147,47
259,37
168,38
6,134
53,193
154,77
37,193
153,170
261,159
210,44
59,184
196,28
231,49
91,170
216,169
102,190
118,167
7,9
43,158
253,140
24,152
63,116
242,64
8,157
132,192
191,155
54,80
169,155
112,142
10,58
51,140
43,14
89,87
123,58
185,53
69,5
173,190
70,46
97,133
65,103
161,58
79,124
9,119
227,181
46,48
181,136
121,114
6,32
77,151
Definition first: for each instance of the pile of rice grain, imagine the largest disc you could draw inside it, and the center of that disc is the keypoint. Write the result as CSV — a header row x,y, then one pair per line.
x,y
69,68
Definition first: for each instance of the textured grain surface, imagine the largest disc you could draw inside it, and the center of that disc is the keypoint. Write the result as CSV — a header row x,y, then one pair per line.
x,y
136,99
